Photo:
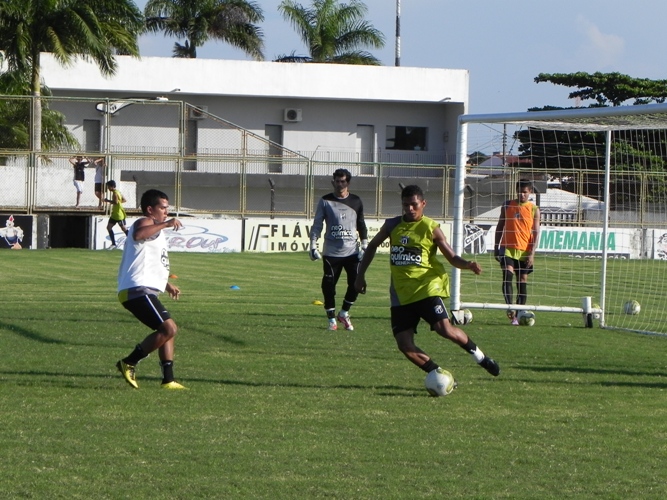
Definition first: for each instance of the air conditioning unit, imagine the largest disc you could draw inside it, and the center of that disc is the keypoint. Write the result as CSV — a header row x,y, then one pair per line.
x,y
292,115
198,112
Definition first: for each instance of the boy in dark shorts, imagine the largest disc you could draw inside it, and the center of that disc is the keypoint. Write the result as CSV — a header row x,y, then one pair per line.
x,y
516,239
419,281
142,276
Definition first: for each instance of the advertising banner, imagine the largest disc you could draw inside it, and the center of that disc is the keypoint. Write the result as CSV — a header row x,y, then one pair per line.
x,y
196,235
16,231
571,240
660,244
293,235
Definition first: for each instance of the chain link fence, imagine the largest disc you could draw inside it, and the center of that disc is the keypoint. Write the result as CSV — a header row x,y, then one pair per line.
x,y
205,164
208,165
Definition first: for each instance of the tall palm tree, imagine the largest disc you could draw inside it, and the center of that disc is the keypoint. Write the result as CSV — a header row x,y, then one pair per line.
x,y
15,118
333,32
91,29
198,21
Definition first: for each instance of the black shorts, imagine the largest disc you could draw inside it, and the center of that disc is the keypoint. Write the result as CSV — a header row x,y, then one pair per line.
x,y
98,187
333,266
431,310
148,309
520,266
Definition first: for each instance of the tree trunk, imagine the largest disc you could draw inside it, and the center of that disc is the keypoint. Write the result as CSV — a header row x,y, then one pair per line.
x,y
36,128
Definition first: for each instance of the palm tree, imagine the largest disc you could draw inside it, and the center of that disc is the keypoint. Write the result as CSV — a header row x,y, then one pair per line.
x,y
198,21
333,33
91,29
15,118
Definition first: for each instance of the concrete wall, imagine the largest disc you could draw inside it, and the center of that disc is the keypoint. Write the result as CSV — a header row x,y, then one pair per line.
x,y
333,99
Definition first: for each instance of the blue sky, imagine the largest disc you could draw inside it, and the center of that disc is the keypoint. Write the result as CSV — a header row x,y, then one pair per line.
x,y
503,43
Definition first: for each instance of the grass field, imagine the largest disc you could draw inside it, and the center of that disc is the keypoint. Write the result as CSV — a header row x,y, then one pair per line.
x,y
279,407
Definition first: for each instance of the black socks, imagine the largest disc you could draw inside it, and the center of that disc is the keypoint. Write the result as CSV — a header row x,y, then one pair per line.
x,y
137,355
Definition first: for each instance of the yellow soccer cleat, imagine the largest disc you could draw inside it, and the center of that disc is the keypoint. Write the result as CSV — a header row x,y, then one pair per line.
x,y
173,385
128,373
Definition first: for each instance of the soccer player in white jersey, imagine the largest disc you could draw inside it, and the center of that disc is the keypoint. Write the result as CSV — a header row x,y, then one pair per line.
x,y
142,276
345,239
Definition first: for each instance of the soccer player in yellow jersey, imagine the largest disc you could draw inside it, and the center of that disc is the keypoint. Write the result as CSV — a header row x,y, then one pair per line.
x,y
516,239
419,281
117,212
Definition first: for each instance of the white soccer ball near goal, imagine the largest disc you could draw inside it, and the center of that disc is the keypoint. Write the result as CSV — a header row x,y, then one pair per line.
x,y
526,318
467,316
632,307
439,382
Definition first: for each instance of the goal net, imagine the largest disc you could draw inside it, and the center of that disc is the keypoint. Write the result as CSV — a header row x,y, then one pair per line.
x,y
600,181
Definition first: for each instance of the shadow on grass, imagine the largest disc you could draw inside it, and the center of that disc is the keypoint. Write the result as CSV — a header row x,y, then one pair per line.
x,y
203,331
37,337
33,378
579,369
28,334
321,314
603,371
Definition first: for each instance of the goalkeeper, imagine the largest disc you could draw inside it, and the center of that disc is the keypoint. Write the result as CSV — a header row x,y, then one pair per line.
x,y
516,239
345,239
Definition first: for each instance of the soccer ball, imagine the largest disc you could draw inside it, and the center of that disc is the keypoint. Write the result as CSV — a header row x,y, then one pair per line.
x,y
461,317
439,382
632,307
596,315
526,318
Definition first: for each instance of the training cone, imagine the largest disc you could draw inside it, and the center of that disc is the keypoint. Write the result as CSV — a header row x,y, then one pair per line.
x,y
173,276
318,303
234,287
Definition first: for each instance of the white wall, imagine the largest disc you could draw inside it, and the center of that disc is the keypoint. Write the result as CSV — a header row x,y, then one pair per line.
x,y
159,75
334,99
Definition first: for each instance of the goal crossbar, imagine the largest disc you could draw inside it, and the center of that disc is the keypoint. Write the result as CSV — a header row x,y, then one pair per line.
x,y
647,116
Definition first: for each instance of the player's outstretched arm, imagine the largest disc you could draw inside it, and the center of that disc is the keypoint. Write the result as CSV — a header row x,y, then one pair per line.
x,y
455,260
147,227
534,237
369,255
499,230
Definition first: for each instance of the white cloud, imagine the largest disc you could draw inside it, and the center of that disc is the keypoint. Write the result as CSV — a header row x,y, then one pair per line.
x,y
599,50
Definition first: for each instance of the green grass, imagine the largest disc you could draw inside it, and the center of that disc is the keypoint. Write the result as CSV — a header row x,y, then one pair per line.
x,y
278,407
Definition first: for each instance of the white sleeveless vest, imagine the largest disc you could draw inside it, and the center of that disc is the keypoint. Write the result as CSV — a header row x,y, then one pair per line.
x,y
144,263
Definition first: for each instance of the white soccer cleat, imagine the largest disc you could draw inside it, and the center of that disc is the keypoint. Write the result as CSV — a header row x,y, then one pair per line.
x,y
345,319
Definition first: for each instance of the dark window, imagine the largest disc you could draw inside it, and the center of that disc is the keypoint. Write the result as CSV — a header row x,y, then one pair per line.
x,y
406,138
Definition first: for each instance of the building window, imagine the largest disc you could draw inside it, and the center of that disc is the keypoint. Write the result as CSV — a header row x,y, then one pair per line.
x,y
274,133
406,138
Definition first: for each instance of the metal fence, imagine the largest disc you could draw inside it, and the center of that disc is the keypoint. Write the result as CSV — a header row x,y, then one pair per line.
x,y
205,164
208,165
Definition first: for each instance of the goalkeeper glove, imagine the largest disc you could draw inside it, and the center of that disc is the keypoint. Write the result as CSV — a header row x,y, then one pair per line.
x,y
362,249
314,252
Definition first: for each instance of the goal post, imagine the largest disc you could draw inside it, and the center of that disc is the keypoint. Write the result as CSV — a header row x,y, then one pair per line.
x,y
600,177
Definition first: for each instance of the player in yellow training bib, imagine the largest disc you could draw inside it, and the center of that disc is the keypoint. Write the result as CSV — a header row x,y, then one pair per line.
x,y
419,281
117,212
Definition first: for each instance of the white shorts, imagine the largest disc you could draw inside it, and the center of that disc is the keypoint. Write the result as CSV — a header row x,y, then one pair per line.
x,y
79,186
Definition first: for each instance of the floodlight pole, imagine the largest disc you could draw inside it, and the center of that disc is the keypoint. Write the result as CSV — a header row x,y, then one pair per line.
x,y
397,61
